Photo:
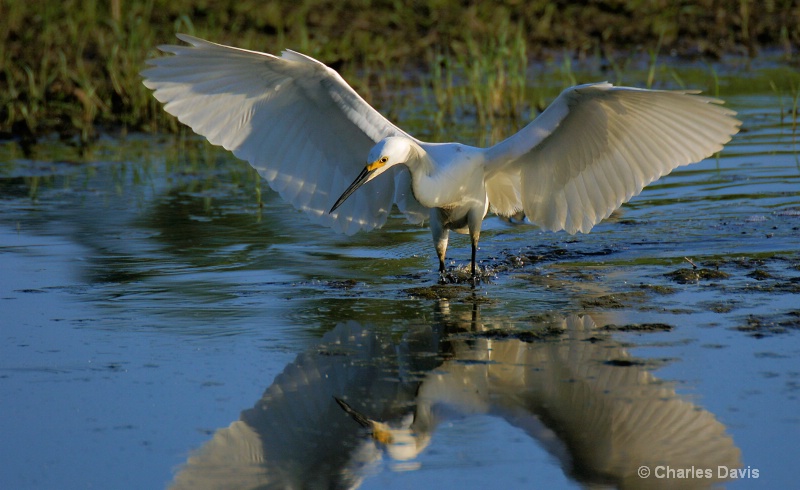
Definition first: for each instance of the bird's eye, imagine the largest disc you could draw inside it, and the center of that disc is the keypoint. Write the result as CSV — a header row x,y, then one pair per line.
x,y
384,159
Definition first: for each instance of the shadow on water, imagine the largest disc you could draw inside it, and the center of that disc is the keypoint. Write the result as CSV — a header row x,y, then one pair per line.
x,y
566,384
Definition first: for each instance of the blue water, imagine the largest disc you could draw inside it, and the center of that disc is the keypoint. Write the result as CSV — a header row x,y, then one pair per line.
x,y
150,301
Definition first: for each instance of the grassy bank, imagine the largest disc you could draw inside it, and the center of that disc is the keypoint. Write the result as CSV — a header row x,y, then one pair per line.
x,y
72,67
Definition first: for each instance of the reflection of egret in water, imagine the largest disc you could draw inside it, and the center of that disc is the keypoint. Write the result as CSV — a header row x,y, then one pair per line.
x,y
297,436
587,402
575,390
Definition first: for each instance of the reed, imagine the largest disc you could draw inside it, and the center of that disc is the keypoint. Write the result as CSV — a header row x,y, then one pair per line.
x,y
72,67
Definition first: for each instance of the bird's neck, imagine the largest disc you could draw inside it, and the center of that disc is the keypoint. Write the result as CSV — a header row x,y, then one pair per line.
x,y
421,167
438,184
417,158
419,162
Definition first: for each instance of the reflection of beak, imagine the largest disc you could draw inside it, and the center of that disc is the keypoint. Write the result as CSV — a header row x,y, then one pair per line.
x,y
360,180
380,432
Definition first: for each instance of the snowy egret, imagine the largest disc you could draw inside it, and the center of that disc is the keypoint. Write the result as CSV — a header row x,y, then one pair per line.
x,y
307,132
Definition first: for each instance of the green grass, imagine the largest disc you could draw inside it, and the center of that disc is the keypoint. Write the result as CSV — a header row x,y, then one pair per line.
x,y
72,67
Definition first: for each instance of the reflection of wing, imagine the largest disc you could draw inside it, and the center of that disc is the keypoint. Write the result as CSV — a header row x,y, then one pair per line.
x,y
296,436
231,459
609,420
602,420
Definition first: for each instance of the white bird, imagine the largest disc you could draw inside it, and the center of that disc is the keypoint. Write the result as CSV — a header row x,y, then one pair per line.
x,y
307,132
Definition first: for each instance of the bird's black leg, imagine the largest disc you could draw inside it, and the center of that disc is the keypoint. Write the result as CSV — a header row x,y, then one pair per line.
x,y
473,267
441,236
474,220
441,249
442,270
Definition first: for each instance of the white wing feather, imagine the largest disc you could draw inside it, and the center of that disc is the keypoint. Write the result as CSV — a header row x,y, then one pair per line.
x,y
596,146
296,121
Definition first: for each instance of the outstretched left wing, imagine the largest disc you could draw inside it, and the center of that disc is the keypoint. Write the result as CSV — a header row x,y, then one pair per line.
x,y
596,146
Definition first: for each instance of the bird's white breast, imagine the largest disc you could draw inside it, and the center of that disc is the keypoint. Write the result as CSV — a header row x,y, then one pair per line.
x,y
455,178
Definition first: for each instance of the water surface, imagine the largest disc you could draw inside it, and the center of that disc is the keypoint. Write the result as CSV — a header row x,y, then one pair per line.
x,y
167,320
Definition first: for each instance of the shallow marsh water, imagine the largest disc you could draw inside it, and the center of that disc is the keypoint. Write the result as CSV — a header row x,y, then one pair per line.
x,y
166,319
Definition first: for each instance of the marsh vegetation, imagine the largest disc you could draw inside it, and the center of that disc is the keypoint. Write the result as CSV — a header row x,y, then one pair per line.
x,y
72,67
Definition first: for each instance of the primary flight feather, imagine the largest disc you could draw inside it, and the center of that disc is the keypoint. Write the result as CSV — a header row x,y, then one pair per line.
x,y
309,134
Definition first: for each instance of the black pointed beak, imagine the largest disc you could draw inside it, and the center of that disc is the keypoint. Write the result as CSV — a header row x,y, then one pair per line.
x,y
360,180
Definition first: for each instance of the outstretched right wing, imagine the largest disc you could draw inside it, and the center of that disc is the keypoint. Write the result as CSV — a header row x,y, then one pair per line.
x,y
295,120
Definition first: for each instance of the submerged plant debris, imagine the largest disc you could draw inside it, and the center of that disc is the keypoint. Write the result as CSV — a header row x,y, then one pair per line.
x,y
614,301
685,275
638,327
440,291
551,332
767,326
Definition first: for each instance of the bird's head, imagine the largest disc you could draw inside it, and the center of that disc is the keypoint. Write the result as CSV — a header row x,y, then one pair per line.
x,y
383,156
